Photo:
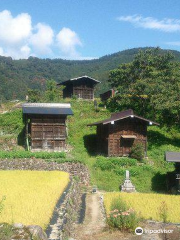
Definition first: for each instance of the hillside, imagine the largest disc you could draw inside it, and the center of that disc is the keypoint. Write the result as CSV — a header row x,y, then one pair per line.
x,y
18,75
106,173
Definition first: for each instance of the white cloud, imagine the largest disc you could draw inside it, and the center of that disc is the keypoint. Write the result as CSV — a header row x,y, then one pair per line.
x,y
14,30
166,24
25,51
19,38
67,41
42,39
173,43
1,51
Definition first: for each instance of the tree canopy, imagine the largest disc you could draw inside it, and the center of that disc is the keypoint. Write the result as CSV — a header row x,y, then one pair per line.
x,y
51,94
150,84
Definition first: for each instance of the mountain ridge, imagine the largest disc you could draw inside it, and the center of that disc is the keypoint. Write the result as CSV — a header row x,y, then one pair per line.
x,y
16,76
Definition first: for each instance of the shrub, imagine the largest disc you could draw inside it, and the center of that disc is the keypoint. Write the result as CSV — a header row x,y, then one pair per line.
x,y
114,163
121,217
117,203
137,151
120,171
26,154
163,211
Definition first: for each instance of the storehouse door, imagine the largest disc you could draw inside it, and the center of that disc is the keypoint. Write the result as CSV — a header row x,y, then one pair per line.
x,y
126,144
48,136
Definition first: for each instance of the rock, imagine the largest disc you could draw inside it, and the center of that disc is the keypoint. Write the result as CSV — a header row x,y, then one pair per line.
x,y
18,225
37,232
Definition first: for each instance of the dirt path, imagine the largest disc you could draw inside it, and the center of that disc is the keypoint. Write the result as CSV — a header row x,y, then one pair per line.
x,y
94,225
94,221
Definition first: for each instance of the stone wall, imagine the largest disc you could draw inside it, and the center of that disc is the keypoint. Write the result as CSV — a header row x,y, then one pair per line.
x,y
66,213
21,232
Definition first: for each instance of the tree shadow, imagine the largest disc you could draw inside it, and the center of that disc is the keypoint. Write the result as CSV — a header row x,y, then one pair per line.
x,y
21,138
159,182
165,183
90,143
157,139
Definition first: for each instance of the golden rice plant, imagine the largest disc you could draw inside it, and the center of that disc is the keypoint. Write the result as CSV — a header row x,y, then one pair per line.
x,y
148,205
31,196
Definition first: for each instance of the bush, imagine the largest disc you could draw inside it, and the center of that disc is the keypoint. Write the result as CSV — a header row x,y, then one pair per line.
x,y
137,151
163,211
26,154
121,217
114,163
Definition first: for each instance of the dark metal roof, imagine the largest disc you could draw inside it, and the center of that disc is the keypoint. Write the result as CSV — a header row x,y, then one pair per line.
x,y
172,156
47,108
79,78
122,115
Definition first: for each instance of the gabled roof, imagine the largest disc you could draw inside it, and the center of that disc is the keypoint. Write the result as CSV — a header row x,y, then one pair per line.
x,y
122,115
78,78
172,156
47,108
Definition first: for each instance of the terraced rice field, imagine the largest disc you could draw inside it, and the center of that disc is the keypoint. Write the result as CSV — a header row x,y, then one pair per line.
x,y
30,196
148,205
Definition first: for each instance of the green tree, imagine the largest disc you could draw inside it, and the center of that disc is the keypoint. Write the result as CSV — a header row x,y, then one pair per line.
x,y
150,85
34,96
52,93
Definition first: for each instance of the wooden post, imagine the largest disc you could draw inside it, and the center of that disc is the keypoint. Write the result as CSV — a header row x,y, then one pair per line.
x,y
146,147
27,140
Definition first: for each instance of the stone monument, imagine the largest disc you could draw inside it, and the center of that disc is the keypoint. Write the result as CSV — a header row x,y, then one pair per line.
x,y
127,185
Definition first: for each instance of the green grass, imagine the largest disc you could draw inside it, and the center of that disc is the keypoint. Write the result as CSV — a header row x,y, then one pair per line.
x,y
26,154
149,176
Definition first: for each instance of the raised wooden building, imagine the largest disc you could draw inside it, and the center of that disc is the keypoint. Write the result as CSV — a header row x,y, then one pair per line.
x,y
106,95
117,135
173,178
46,127
81,87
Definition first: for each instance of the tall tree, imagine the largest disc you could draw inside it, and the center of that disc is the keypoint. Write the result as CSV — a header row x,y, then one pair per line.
x,y
150,85
52,93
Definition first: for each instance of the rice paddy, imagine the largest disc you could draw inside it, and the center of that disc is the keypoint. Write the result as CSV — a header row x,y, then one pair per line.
x,y
30,196
148,205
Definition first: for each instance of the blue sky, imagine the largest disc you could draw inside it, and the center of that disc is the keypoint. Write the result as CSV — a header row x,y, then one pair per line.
x,y
85,29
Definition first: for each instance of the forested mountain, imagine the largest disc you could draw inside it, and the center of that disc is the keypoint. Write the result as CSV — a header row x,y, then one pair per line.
x,y
16,76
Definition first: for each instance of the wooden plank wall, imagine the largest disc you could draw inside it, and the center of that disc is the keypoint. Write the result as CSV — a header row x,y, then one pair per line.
x,y
117,146
83,91
48,133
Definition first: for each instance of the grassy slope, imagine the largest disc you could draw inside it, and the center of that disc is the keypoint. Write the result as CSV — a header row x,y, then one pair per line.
x,y
147,177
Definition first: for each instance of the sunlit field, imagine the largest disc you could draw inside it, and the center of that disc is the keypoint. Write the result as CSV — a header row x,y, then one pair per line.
x,y
148,205
30,196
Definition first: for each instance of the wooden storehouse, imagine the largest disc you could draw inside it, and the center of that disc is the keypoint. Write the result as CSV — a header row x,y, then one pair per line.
x,y
117,135
106,95
46,127
174,181
81,87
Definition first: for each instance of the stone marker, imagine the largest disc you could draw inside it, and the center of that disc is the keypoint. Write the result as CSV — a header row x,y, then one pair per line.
x,y
127,185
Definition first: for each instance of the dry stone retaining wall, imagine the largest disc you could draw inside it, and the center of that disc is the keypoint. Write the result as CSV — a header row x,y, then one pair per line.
x,y
66,213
